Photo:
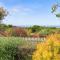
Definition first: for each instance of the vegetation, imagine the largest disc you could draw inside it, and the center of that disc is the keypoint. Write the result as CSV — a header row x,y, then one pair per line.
x,y
55,9
8,48
14,48
49,49
3,13
9,30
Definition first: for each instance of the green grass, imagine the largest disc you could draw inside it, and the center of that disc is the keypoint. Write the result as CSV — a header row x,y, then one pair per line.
x,y
8,47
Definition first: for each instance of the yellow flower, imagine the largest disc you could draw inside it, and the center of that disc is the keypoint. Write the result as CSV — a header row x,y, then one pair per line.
x,y
49,49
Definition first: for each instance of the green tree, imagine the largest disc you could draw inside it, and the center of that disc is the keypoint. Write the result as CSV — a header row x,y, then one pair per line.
x,y
35,28
3,14
55,9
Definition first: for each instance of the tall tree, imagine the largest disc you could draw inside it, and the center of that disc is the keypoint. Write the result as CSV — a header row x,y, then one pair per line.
x,y
3,14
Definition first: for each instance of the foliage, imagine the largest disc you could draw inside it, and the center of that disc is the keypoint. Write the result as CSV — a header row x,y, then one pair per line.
x,y
58,15
3,13
10,30
19,32
29,31
35,28
8,47
49,49
55,9
15,48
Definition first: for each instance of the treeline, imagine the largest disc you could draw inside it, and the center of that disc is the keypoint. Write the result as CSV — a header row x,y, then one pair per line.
x,y
32,31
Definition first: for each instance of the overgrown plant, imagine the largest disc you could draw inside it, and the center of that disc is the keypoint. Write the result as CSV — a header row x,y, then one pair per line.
x,y
49,49
8,48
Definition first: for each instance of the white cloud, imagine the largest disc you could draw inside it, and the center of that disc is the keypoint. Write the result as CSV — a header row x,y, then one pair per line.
x,y
20,9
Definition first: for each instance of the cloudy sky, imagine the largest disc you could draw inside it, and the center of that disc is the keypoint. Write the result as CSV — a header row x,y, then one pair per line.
x,y
30,12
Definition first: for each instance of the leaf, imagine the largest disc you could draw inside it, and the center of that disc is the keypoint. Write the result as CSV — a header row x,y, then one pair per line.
x,y
54,8
58,15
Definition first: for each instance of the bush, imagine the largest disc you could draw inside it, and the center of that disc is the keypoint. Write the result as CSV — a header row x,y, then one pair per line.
x,y
14,48
18,32
25,53
8,48
49,49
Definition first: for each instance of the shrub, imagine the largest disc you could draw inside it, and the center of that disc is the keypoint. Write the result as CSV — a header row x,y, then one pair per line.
x,y
19,32
49,49
8,48
14,48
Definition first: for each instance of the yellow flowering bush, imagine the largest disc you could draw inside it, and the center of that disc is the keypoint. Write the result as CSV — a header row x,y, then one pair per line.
x,y
49,49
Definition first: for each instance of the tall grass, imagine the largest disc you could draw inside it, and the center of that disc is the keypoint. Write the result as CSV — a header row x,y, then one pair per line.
x,y
8,47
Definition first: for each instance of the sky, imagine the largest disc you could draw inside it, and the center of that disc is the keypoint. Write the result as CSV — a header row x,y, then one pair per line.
x,y
30,12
